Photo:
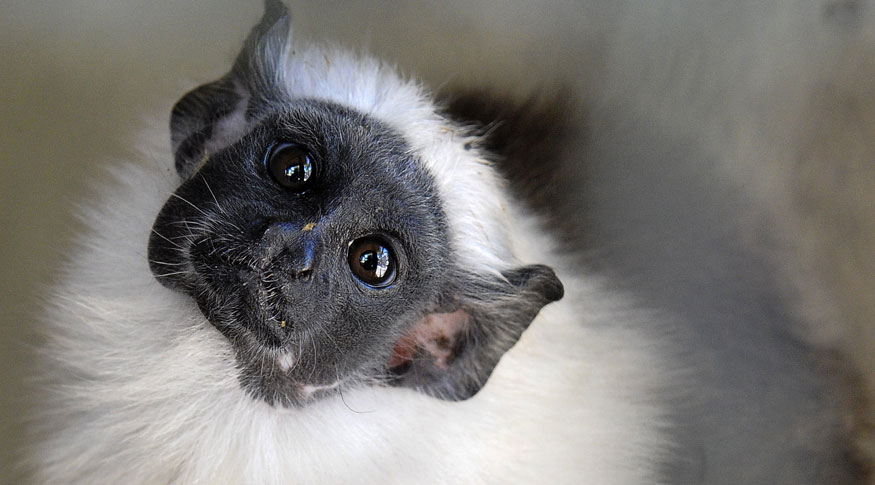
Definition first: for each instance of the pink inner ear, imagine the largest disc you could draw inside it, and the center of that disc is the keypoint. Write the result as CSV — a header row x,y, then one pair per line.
x,y
436,334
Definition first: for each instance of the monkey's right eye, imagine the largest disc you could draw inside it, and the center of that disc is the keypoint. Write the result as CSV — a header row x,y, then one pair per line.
x,y
290,166
372,261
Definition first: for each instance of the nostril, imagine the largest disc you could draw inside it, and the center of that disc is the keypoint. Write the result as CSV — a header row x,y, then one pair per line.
x,y
302,263
297,263
258,226
285,246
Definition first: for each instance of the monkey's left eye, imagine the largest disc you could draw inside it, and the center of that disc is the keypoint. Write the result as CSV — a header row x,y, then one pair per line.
x,y
290,166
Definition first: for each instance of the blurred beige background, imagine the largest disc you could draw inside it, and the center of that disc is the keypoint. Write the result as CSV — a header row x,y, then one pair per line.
x,y
778,96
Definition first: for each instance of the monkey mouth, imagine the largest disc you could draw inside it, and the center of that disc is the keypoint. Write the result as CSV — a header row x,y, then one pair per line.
x,y
241,299
265,312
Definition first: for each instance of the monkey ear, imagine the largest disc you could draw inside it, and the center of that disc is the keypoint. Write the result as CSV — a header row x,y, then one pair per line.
x,y
451,353
214,115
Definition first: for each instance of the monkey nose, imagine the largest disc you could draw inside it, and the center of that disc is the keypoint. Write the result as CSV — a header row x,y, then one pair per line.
x,y
285,246
299,262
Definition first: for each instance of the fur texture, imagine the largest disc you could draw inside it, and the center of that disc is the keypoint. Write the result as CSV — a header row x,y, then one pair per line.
x,y
147,390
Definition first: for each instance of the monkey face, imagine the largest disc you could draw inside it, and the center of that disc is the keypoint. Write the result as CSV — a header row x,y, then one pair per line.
x,y
308,243
314,239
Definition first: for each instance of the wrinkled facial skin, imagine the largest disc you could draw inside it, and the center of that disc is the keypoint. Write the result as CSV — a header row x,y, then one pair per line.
x,y
235,240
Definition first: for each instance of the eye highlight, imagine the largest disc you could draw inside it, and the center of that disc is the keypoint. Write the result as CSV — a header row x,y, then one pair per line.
x,y
372,261
290,166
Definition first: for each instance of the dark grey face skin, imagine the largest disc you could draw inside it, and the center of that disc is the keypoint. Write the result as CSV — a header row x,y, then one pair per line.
x,y
269,265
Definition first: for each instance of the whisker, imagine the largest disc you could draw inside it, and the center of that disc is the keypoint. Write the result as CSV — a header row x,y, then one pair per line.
x,y
186,222
189,203
165,263
165,238
172,273
218,206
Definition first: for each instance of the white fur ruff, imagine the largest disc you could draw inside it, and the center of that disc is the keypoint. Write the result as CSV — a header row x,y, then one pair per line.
x,y
147,392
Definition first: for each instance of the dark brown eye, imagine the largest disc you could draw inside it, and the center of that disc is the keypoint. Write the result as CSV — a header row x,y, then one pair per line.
x,y
290,166
372,262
